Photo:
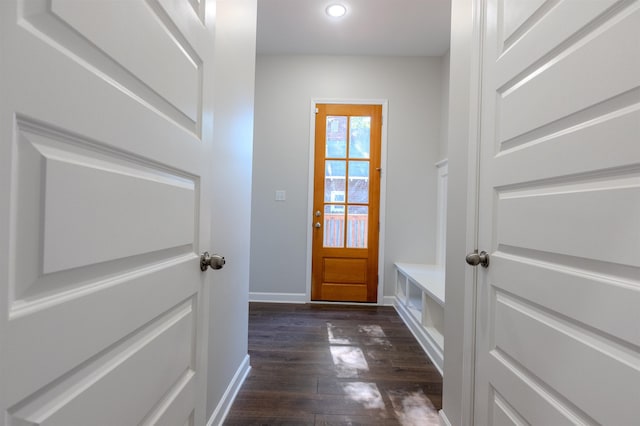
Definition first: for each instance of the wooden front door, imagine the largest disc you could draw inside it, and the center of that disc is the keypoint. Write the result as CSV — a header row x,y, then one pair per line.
x,y
346,203
105,153
558,326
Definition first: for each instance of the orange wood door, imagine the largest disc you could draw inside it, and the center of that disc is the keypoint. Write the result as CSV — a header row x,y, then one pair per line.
x,y
346,203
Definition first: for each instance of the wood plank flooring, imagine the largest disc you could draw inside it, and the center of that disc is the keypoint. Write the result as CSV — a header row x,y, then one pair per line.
x,y
335,365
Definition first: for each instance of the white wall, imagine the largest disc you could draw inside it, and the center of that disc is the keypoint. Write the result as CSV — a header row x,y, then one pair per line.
x,y
233,140
285,86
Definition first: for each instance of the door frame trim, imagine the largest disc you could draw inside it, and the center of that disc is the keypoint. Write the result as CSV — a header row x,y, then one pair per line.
x,y
465,109
383,186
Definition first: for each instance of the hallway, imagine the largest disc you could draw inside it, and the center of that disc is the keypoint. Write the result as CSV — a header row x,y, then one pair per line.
x,y
337,365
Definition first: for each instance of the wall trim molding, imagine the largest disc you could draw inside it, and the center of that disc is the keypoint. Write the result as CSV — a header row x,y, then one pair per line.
x,y
220,413
389,301
441,215
302,298
278,297
444,421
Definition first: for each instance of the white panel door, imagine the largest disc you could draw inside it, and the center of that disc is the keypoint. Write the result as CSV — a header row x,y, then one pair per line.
x,y
105,147
558,325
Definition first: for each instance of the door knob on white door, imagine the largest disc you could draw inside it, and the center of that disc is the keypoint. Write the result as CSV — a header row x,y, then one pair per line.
x,y
475,259
211,261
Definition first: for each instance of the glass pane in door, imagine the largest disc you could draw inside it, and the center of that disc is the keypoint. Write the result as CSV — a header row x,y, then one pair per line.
x,y
334,226
358,182
336,137
360,137
357,226
334,181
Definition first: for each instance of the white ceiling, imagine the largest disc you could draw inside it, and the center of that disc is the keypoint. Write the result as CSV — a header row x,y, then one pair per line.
x,y
370,27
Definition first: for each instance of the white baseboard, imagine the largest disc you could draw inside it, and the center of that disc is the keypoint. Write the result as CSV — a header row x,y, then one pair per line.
x,y
220,413
278,297
444,421
302,298
388,301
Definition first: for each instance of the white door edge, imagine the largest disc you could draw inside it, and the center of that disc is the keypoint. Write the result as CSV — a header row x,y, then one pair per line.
x,y
467,37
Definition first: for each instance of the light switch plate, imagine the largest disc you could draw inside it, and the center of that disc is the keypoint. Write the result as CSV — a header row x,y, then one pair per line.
x,y
281,195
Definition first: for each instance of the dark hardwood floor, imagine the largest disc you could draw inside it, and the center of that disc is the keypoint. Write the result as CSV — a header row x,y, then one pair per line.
x,y
335,365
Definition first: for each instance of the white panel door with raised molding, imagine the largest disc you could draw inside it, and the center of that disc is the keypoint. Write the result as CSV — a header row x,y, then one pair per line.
x,y
558,325
105,153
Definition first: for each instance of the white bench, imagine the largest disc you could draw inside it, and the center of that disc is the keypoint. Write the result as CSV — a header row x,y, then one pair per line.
x,y
420,303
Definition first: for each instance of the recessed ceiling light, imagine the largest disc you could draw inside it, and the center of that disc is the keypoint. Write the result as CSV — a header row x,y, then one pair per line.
x,y
336,10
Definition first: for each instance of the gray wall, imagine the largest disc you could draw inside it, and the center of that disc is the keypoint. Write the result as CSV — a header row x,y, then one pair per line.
x,y
285,86
233,139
